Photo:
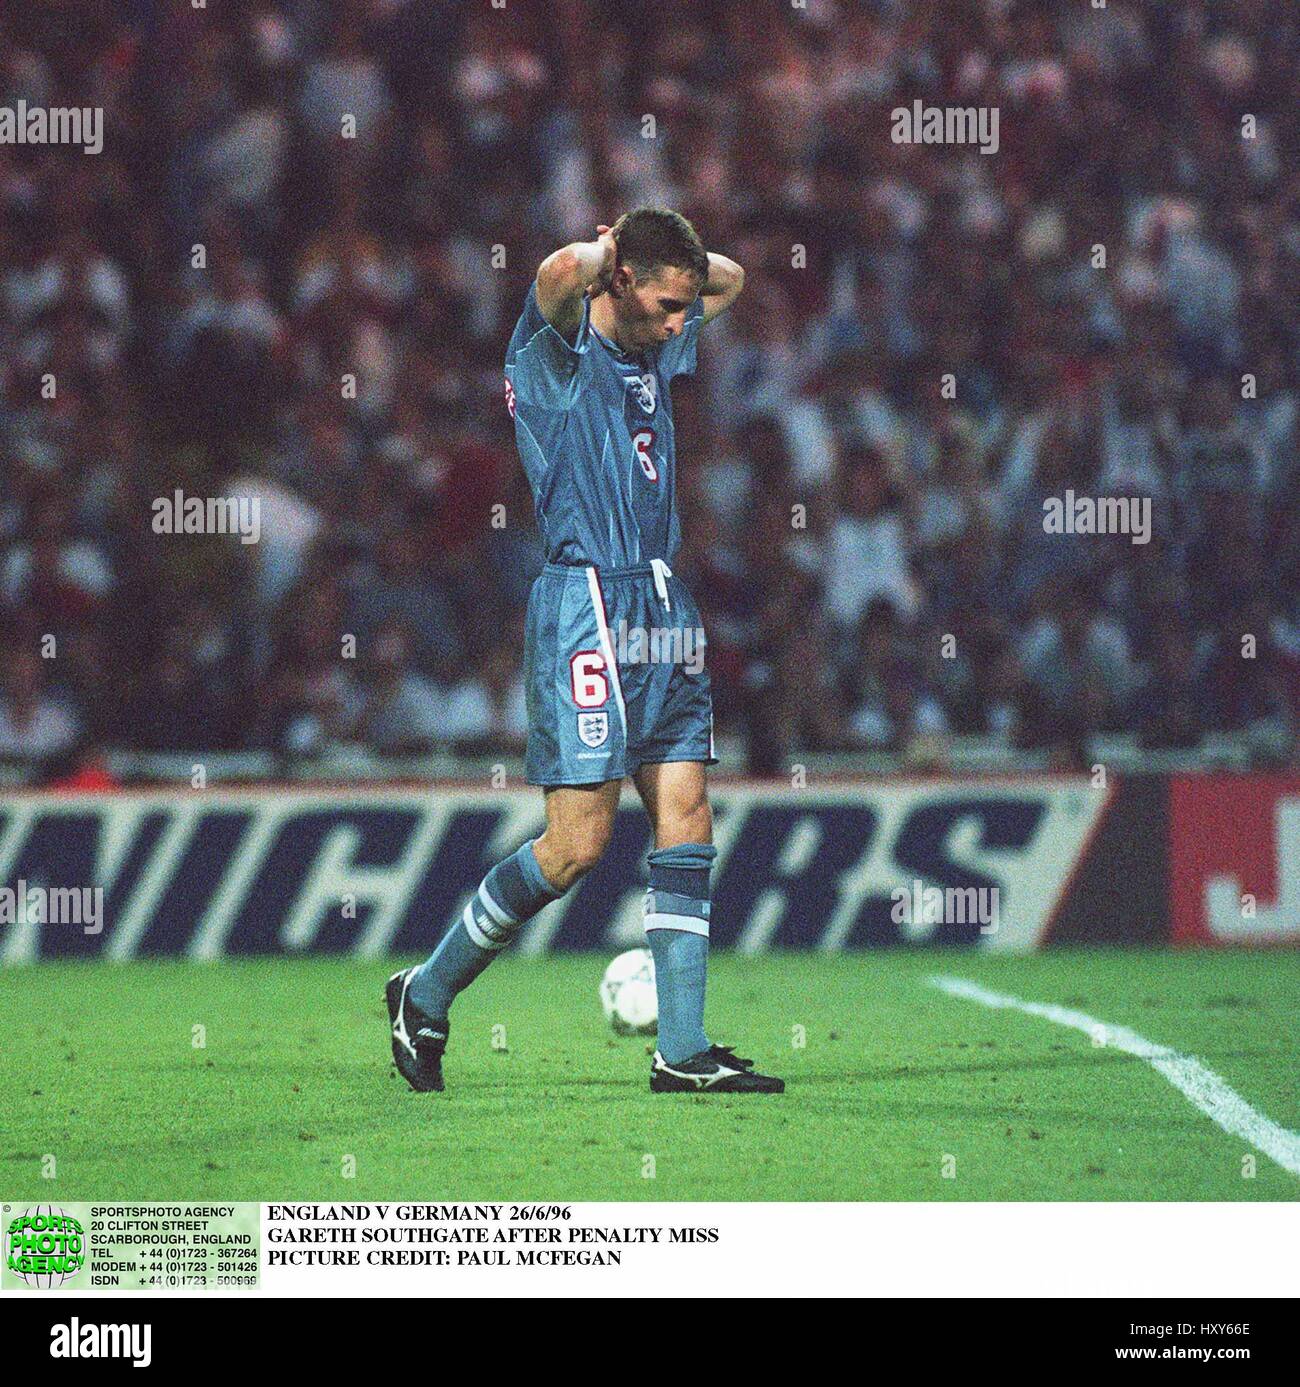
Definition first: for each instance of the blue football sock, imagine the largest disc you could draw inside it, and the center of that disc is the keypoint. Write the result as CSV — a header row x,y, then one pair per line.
x,y
511,894
677,930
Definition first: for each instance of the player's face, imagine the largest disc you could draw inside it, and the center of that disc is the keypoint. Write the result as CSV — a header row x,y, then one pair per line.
x,y
655,310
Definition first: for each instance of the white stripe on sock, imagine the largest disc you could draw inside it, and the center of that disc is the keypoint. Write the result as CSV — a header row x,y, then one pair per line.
x,y
689,923
476,934
497,912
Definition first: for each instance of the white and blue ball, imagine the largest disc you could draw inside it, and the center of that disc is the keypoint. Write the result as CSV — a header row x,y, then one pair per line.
x,y
627,993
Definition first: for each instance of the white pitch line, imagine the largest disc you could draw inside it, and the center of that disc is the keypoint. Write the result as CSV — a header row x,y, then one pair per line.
x,y
1199,1085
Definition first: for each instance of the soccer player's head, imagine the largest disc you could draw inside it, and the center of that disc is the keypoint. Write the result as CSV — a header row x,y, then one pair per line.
x,y
662,266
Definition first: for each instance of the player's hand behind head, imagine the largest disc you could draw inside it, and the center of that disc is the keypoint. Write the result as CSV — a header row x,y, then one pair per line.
x,y
607,238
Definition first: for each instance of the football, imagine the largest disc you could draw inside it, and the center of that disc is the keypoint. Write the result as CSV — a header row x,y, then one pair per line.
x,y
627,993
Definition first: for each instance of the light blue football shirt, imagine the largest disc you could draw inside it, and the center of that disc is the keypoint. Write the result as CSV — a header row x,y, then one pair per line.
x,y
594,429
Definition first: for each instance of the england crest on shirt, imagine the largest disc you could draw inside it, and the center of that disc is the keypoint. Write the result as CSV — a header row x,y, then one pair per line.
x,y
644,391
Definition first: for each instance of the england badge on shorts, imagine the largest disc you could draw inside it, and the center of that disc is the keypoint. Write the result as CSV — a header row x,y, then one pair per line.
x,y
593,728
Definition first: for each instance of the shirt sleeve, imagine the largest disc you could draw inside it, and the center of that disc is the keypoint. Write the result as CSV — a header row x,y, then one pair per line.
x,y
543,367
677,358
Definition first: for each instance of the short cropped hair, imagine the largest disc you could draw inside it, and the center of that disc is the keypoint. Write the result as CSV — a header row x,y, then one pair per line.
x,y
651,237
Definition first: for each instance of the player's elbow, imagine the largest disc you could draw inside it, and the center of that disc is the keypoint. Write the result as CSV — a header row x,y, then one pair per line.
x,y
729,281
726,278
558,276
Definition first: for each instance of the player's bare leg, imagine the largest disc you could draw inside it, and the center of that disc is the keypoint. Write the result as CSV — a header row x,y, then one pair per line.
x,y
579,821
676,797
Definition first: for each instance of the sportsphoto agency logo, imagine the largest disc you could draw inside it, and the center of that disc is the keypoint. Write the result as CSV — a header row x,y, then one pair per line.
x,y
44,1246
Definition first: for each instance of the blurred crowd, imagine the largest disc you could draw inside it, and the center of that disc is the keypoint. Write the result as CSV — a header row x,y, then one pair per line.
x,y
293,270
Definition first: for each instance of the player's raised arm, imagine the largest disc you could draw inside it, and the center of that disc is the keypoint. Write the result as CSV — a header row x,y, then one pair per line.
x,y
722,288
566,275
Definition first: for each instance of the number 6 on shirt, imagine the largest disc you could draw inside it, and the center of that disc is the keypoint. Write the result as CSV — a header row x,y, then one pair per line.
x,y
643,440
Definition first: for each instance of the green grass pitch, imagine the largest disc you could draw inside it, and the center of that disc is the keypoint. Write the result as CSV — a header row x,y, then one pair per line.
x,y
102,1073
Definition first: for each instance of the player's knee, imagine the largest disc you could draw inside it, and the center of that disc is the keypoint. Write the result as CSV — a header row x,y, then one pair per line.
x,y
585,850
686,819
572,856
